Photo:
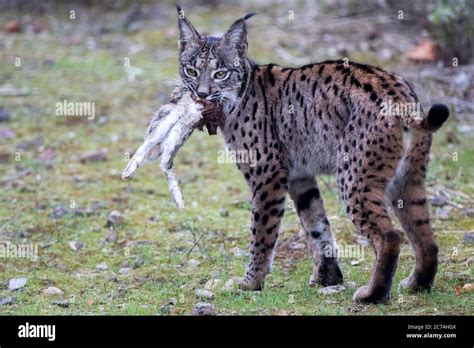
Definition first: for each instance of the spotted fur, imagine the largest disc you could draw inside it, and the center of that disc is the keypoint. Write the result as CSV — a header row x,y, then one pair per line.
x,y
317,119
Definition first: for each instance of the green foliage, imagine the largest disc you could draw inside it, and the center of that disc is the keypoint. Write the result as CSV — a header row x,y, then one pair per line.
x,y
452,26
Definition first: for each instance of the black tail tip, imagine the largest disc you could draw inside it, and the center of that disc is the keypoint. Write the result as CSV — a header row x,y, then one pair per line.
x,y
437,115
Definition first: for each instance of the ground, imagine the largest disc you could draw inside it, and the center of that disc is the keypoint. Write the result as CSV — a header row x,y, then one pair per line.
x,y
161,256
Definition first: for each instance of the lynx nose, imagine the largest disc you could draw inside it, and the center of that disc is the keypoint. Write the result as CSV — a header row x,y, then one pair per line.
x,y
202,95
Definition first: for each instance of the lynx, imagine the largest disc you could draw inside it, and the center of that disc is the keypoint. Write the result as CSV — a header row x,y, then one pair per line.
x,y
330,117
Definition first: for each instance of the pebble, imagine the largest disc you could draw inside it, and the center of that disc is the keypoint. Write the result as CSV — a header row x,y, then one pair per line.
x,y
52,290
76,245
63,303
213,284
58,211
203,308
205,294
125,270
16,283
102,266
111,236
438,201
334,289
114,219
7,301
468,237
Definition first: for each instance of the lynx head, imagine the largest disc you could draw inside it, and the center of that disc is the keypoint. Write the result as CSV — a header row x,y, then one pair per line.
x,y
214,68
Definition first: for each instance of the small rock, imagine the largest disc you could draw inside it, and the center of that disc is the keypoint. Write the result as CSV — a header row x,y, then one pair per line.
x,y
355,262
58,211
469,212
76,245
102,266
94,156
438,201
83,212
125,270
16,283
230,284
224,212
468,237
51,290
193,263
6,133
7,301
204,294
334,289
4,116
172,301
114,219
203,308
213,284
63,303
5,157
444,212
111,236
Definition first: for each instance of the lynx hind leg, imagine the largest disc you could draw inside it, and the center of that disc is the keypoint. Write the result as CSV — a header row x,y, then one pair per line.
x,y
323,248
408,198
363,177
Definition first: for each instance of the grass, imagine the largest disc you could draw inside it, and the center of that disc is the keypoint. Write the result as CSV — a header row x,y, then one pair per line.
x,y
159,244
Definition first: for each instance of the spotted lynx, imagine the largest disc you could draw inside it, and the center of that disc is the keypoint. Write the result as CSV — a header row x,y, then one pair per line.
x,y
328,117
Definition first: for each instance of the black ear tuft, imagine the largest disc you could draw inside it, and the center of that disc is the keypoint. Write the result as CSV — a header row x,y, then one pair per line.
x,y
178,8
249,15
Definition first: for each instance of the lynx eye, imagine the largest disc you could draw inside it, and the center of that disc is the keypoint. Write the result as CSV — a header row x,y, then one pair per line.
x,y
220,75
191,72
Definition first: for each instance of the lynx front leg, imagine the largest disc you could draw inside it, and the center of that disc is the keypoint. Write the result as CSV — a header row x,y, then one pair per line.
x,y
268,207
310,208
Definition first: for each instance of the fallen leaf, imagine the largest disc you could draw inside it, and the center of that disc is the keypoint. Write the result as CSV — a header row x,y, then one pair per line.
x,y
13,26
425,51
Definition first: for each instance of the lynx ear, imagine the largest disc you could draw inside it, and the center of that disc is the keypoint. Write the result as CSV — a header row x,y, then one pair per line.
x,y
236,36
188,36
